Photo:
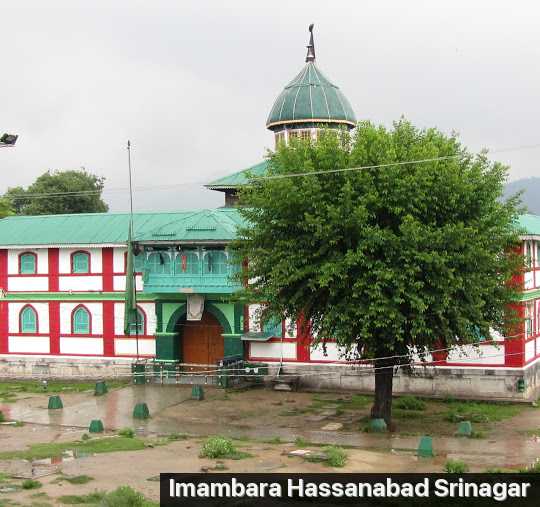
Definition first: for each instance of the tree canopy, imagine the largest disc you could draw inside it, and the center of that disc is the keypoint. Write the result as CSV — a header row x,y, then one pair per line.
x,y
386,258
5,208
30,201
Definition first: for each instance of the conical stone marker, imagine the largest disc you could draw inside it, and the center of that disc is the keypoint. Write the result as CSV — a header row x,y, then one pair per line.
x,y
55,403
101,388
377,425
464,429
197,393
425,447
141,411
96,426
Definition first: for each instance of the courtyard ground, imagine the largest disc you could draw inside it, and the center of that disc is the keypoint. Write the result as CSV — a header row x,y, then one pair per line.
x,y
54,446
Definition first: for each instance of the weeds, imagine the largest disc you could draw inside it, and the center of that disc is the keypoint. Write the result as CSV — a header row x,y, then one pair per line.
x,y
127,432
221,447
31,484
335,456
455,466
78,479
410,403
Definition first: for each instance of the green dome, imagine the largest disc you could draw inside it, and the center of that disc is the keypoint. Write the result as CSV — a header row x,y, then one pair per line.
x,y
311,98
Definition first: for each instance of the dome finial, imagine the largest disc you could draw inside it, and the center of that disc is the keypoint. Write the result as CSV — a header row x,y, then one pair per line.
x,y
310,57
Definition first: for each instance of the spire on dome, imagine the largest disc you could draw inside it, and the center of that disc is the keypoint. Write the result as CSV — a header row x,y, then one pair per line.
x,y
310,57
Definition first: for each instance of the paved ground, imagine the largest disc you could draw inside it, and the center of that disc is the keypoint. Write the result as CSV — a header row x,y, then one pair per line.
x,y
252,416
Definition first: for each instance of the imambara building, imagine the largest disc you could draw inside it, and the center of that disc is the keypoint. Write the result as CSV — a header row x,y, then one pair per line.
x,y
63,281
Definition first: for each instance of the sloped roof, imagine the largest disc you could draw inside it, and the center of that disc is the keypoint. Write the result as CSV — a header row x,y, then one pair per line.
x,y
530,223
239,178
112,228
311,97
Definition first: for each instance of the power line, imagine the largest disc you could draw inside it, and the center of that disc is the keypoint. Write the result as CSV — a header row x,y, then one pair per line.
x,y
259,178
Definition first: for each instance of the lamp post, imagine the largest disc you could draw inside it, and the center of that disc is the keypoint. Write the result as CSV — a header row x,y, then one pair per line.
x,y
8,140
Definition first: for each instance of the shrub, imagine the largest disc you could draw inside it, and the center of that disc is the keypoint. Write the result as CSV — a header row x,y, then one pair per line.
x,y
124,496
127,432
335,456
79,479
31,484
455,466
217,447
410,403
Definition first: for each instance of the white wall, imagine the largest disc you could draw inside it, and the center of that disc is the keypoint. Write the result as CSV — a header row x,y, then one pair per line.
x,y
333,353
29,344
28,283
119,282
64,260
80,283
118,260
483,354
530,351
42,310
272,350
148,308
86,346
42,260
123,346
95,309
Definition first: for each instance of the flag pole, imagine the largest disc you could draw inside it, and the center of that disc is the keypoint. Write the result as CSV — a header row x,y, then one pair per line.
x,y
132,274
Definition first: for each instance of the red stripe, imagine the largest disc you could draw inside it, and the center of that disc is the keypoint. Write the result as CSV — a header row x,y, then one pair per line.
x,y
54,325
108,283
108,327
3,304
53,269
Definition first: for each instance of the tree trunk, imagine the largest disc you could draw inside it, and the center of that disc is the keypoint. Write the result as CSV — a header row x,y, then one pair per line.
x,y
382,405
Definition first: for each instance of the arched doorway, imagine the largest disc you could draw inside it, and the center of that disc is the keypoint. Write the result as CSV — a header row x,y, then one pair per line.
x,y
201,341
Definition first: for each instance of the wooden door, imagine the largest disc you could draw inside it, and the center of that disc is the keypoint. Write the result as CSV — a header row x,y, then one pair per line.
x,y
202,342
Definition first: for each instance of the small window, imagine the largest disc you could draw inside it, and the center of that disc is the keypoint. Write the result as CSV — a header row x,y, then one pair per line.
x,y
138,328
274,327
80,262
81,321
27,263
529,316
159,263
215,262
186,262
28,320
537,254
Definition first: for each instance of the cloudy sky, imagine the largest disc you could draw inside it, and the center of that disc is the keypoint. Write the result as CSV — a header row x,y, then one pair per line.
x,y
191,82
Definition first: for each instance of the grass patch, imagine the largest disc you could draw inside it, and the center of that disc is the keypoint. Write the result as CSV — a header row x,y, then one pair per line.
x,y
93,446
91,498
127,432
10,389
410,403
124,496
479,412
274,441
2,417
336,456
456,466
174,437
221,447
3,477
78,479
31,484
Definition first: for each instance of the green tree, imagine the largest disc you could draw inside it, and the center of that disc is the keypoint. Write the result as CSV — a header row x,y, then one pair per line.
x,y
386,259
5,208
40,199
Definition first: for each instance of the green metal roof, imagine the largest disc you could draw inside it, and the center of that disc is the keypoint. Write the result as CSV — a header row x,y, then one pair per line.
x,y
311,97
112,228
239,178
530,224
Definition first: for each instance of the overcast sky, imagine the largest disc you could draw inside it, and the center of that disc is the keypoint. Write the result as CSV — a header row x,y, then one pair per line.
x,y
191,82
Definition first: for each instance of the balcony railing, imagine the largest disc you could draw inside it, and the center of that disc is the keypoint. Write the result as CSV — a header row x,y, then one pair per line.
x,y
173,272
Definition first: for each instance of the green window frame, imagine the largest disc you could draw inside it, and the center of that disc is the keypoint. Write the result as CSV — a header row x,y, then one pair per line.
x,y
273,326
138,328
28,320
159,263
80,321
215,262
27,264
192,263
80,262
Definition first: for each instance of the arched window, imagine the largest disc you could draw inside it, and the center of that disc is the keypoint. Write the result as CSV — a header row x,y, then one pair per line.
x,y
159,263
139,327
186,262
28,320
80,321
27,263
215,262
80,262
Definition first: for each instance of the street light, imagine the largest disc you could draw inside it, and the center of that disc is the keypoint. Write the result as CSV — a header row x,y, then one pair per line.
x,y
8,140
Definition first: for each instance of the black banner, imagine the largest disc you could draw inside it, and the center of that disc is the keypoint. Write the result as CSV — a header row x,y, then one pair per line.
x,y
276,490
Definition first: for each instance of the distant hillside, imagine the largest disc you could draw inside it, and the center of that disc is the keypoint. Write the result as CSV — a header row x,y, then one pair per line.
x,y
531,193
